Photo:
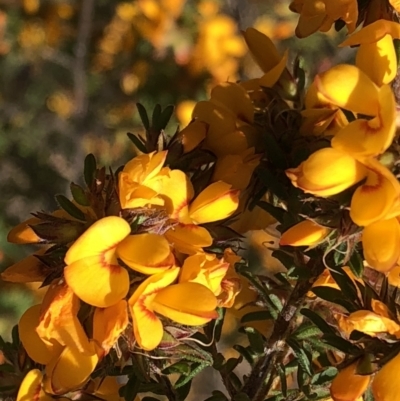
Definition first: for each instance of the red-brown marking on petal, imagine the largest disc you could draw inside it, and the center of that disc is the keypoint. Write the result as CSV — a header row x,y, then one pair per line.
x,y
141,303
36,395
175,214
373,187
113,268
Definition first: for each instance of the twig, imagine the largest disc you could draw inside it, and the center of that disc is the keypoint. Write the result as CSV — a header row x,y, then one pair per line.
x,y
255,386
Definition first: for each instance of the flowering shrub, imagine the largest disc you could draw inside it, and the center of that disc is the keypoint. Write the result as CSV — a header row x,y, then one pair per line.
x,y
144,264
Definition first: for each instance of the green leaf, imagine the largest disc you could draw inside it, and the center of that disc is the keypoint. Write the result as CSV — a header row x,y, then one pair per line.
x,y
183,391
7,368
274,152
143,116
272,183
15,335
137,142
70,208
179,367
368,396
231,364
318,321
150,399
341,344
217,396
356,264
79,195
247,353
276,212
156,115
131,388
302,357
305,331
89,170
241,397
165,117
196,369
282,375
335,296
326,376
255,338
345,283
286,259
256,316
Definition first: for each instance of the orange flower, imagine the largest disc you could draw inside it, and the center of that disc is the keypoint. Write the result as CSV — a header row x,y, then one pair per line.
x,y
305,233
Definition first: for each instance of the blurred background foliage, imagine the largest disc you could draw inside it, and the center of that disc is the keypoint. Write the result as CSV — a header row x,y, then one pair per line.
x,y
71,72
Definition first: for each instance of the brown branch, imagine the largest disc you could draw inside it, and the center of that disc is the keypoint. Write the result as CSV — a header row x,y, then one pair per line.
x,y
255,386
81,48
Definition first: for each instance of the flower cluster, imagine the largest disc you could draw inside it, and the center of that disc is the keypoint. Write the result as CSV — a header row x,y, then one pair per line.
x,y
143,263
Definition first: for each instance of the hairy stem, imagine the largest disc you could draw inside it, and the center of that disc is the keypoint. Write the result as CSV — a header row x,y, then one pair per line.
x,y
255,386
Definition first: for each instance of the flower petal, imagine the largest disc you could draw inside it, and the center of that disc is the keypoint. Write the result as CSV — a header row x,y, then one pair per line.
x,y
192,135
262,49
148,328
188,238
101,236
386,384
31,387
180,303
71,370
216,202
348,385
23,233
381,244
97,282
362,138
305,233
146,253
373,200
348,87
327,172
109,323
35,347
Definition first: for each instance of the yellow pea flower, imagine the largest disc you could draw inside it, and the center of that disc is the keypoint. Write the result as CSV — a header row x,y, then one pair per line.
x,y
267,57
179,302
348,87
327,172
146,253
141,179
38,350
205,269
108,324
377,198
216,202
380,242
23,233
321,14
58,322
92,269
107,389
31,387
192,135
376,55
386,385
348,385
236,170
305,233
70,370
27,270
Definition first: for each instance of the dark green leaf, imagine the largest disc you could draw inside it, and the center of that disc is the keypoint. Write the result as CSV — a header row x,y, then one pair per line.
x,y
219,361
341,344
70,208
276,212
305,331
143,116
137,142
156,115
301,377
165,117
217,396
318,321
247,353
231,364
89,170
256,340
241,397
274,152
270,181
183,391
7,368
196,369
150,399
15,335
368,396
179,367
284,257
131,388
326,376
282,375
218,323
256,316
345,283
3,389
356,264
335,296
79,195
302,357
